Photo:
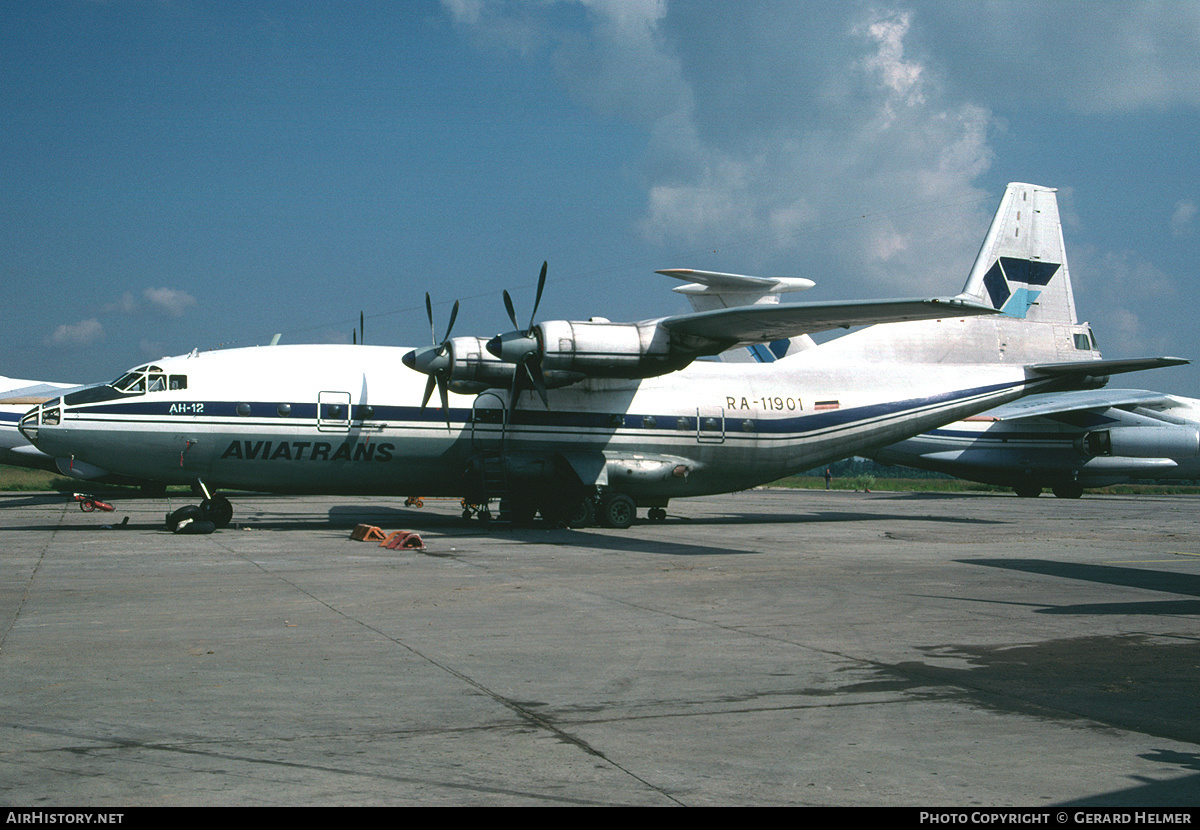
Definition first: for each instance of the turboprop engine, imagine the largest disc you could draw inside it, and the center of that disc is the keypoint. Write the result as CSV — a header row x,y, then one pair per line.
x,y
550,355
595,348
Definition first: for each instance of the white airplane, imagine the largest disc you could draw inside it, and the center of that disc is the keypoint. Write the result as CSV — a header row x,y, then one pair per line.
x,y
16,396
1066,441
592,420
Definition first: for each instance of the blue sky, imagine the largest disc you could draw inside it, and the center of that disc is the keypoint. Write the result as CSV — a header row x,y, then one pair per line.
x,y
185,174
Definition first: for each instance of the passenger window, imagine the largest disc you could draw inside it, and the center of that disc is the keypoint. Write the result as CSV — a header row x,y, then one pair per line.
x,y
178,382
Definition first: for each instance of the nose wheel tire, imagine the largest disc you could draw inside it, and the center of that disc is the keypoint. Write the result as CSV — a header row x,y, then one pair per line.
x,y
217,510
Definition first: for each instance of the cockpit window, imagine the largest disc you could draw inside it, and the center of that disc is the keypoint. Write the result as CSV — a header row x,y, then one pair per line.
x,y
134,381
147,379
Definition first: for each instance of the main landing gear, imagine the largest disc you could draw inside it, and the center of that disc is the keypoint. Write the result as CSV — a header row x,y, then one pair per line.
x,y
605,509
213,513
1063,490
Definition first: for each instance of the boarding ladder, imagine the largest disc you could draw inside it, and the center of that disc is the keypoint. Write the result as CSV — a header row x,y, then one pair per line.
x,y
489,435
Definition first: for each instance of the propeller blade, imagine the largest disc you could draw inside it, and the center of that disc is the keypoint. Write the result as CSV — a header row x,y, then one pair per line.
x,y
450,325
441,385
537,300
508,306
429,312
534,369
429,384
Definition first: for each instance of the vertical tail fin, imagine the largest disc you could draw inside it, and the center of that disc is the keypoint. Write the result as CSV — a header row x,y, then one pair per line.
x,y
1022,267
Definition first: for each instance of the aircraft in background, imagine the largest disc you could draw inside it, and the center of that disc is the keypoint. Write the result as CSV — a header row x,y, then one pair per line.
x,y
586,420
16,396
1066,441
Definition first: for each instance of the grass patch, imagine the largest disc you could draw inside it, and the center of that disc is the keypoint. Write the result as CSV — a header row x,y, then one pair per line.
x,y
23,479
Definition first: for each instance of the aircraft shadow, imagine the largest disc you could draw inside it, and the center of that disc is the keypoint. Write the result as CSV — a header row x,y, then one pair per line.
x,y
834,516
1131,682
33,500
1169,582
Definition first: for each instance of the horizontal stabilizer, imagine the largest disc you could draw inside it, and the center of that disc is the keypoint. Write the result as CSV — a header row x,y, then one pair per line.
x,y
1098,368
734,283
764,323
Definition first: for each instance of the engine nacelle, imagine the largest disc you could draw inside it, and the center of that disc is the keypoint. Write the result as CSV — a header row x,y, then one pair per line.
x,y
609,350
474,369
1142,442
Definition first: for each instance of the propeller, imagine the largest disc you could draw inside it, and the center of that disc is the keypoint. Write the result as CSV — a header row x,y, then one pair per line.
x,y
435,360
521,347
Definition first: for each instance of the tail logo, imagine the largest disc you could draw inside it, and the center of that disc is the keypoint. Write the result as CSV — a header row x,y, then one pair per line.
x,y
1009,282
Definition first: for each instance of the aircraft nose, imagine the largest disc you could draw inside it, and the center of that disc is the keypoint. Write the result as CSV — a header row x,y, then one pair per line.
x,y
46,414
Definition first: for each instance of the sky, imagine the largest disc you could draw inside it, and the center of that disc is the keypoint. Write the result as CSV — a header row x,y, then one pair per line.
x,y
182,174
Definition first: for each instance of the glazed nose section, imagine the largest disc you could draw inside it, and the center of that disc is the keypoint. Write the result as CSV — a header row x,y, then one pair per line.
x,y
46,414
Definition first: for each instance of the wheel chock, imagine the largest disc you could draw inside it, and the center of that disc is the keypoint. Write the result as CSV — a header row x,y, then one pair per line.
x,y
402,539
366,533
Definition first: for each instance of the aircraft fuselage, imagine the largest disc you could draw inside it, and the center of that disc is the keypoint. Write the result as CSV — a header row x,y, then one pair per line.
x,y
347,419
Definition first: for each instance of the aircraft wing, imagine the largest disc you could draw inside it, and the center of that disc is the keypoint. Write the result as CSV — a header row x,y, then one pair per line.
x,y
764,323
30,392
1058,403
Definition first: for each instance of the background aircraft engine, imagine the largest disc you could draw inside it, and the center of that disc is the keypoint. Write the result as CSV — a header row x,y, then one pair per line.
x,y
1142,442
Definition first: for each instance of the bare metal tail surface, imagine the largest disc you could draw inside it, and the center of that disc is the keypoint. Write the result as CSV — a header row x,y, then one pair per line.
x,y
1021,271
1022,266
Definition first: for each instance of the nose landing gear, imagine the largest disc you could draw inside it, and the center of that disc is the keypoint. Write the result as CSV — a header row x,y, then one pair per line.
x,y
213,513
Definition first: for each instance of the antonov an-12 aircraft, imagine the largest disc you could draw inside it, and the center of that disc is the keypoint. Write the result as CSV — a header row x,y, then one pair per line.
x,y
1064,441
590,420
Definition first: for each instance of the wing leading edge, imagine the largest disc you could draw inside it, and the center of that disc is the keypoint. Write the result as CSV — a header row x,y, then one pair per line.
x,y
763,323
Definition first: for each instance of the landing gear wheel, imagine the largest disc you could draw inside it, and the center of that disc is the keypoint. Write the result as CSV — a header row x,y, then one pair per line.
x,y
1071,490
189,513
1027,491
584,514
217,510
657,514
617,511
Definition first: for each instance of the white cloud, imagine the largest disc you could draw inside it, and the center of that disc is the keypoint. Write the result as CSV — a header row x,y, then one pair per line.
x,y
126,304
900,76
171,300
780,137
1181,219
881,186
1099,57
83,333
1119,289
